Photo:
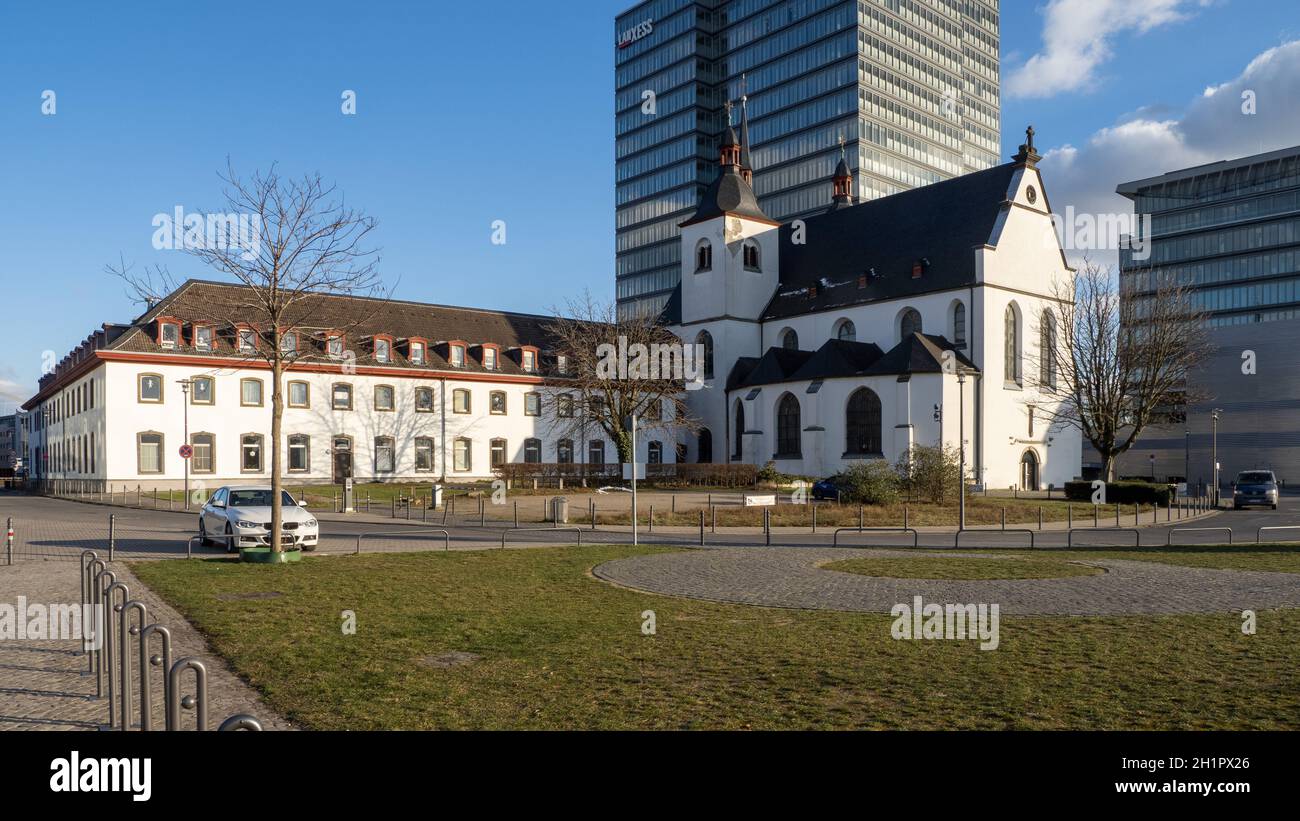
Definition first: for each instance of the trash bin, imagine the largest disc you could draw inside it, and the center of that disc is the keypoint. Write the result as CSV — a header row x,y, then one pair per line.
x,y
560,510
435,500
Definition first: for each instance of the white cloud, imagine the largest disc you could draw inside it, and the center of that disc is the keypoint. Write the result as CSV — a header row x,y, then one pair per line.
x,y
1076,41
1213,127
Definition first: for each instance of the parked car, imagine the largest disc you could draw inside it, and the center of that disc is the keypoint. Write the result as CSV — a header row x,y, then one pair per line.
x,y
827,488
240,516
1254,487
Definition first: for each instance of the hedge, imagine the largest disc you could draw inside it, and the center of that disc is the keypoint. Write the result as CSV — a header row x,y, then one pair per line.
x,y
1124,493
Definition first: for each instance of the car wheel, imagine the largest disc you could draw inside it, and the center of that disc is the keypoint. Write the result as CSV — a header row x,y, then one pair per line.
x,y
203,533
1275,507
230,542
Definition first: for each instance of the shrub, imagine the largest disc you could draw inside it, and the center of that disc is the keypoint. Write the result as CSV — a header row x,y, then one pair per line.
x,y
1123,493
872,482
929,472
768,474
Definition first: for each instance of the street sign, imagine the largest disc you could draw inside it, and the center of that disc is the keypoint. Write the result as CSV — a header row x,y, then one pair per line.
x,y
186,451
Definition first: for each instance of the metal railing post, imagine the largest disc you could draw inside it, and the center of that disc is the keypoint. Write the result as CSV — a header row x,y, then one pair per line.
x,y
112,540
9,544
110,647
702,526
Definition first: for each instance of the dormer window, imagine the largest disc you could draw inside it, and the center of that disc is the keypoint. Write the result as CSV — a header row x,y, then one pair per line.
x,y
247,340
457,356
203,338
562,364
334,346
489,358
169,333
417,352
383,349
529,361
703,256
751,256
289,344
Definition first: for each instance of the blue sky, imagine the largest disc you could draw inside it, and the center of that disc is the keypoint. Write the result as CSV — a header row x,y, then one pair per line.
x,y
466,113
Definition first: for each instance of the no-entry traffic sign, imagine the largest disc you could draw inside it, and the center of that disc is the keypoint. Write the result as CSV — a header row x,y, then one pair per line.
x,y
186,451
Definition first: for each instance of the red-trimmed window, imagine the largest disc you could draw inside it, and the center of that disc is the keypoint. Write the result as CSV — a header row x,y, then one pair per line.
x,y
491,357
456,353
245,338
382,346
201,337
289,343
528,359
169,332
417,350
335,345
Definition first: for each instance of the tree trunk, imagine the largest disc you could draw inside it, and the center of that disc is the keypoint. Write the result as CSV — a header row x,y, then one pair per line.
x,y
623,445
1108,467
277,412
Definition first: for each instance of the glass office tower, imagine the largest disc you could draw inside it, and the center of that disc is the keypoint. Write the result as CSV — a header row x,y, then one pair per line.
x,y
1230,231
912,86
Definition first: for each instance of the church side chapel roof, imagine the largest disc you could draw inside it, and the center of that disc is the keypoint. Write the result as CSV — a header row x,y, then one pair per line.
x,y
918,353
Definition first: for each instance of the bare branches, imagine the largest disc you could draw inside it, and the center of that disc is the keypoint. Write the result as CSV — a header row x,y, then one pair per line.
x,y
588,333
1118,356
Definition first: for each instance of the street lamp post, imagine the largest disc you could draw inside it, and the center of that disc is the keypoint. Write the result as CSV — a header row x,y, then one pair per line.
x,y
1187,456
185,402
1152,458
961,450
1214,450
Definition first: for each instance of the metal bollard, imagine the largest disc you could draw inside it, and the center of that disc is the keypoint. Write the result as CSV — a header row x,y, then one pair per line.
x,y
517,515
1117,514
482,512
905,516
1095,508
162,660
1004,518
861,518
767,526
1040,517
701,527
198,702
9,543
112,540
814,517
652,518
1069,517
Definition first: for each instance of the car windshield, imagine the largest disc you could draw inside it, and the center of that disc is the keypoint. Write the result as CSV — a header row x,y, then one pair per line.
x,y
1254,478
257,498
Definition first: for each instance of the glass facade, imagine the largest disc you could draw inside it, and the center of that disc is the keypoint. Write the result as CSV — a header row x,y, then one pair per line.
x,y
911,85
1229,231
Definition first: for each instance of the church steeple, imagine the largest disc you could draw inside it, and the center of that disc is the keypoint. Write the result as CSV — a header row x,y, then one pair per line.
x,y
730,193
746,167
843,182
730,152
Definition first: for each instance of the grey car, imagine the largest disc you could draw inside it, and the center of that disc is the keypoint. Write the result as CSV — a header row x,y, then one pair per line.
x,y
1254,487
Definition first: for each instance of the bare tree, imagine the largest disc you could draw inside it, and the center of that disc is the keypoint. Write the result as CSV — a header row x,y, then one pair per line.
x,y
1118,356
617,367
289,242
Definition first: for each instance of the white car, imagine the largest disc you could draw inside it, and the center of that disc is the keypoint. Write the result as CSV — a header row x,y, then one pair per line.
x,y
240,516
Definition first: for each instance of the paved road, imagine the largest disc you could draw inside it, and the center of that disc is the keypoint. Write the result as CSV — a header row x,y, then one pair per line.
x,y
53,528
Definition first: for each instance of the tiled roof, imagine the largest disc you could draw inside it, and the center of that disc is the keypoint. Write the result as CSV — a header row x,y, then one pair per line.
x,y
222,305
918,353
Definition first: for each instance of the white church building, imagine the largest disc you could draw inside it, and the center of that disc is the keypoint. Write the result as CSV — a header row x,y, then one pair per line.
x,y
853,334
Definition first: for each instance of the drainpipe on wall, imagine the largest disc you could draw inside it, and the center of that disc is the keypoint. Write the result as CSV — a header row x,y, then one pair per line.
x,y
442,406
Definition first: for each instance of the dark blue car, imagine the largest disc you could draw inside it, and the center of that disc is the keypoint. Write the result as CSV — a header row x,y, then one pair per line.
x,y
826,489
1255,487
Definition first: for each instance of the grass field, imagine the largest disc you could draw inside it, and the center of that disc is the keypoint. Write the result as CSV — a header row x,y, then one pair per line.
x,y
553,648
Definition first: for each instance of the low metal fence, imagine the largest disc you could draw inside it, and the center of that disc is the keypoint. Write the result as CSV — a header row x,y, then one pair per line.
x,y
410,532
1137,534
956,538
1169,540
512,530
835,537
1259,533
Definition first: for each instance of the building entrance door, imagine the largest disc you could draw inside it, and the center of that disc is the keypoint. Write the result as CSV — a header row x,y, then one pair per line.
x,y
1029,471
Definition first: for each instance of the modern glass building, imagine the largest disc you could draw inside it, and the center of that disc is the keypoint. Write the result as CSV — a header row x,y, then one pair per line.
x,y
912,87
1230,231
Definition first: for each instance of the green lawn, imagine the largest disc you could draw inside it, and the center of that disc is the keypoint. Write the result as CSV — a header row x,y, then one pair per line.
x,y
559,649
948,567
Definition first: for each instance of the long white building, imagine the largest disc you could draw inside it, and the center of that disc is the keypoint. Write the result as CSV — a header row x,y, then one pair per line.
x,y
409,392
845,336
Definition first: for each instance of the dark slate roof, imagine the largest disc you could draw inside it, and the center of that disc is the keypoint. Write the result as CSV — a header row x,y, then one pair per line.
x,y
728,194
919,353
839,358
942,222
672,310
777,365
740,371
222,304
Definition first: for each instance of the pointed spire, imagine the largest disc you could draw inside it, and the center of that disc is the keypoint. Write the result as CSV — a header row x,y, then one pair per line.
x,y
843,181
746,167
730,149
1028,155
